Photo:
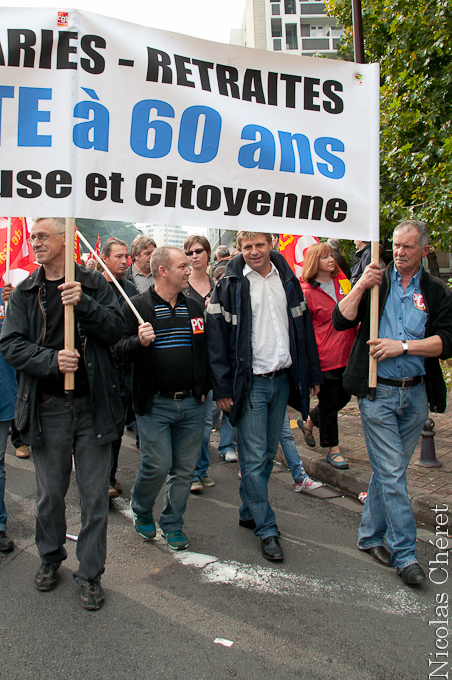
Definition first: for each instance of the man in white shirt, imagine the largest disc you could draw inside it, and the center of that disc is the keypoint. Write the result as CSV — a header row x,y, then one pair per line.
x,y
262,355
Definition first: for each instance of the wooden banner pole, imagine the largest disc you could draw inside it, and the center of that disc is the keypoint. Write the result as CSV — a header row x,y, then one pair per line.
x,y
69,320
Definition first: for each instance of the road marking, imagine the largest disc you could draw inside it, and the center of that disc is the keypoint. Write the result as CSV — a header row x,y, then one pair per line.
x,y
367,593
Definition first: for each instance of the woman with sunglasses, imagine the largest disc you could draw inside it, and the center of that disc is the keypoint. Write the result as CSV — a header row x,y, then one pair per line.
x,y
322,290
197,250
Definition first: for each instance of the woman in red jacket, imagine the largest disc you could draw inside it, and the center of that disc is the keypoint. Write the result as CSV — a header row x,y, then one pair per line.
x,y
322,289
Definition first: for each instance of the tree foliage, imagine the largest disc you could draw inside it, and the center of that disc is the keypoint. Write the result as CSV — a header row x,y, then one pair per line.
x,y
90,229
412,40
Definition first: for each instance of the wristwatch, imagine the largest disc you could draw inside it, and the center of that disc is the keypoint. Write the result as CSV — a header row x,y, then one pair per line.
x,y
405,346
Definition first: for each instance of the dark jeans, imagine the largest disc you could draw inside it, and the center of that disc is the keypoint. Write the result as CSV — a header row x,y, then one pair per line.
x,y
67,431
332,397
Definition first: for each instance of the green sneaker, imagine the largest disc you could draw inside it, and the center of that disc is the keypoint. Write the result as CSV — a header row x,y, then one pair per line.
x,y
177,540
207,481
145,526
196,486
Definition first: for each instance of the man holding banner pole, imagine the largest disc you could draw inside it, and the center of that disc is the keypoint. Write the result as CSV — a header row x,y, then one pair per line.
x,y
415,329
32,341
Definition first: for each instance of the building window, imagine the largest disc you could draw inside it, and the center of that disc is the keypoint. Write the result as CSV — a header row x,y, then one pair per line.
x,y
336,32
317,31
291,37
290,7
305,30
276,28
277,45
276,10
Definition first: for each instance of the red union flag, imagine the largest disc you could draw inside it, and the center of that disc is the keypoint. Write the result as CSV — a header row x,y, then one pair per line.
x,y
294,248
22,258
97,246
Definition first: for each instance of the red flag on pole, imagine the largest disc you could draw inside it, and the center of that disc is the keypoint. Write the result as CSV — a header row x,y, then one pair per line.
x,y
77,256
294,248
22,261
97,246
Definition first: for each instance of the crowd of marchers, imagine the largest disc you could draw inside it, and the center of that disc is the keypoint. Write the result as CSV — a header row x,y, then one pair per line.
x,y
240,338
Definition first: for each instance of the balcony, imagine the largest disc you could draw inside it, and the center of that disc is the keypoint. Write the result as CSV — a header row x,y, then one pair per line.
x,y
326,44
312,8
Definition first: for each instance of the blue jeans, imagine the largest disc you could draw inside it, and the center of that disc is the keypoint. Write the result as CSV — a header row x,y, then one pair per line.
x,y
291,454
392,425
4,430
227,442
68,431
204,459
170,437
258,432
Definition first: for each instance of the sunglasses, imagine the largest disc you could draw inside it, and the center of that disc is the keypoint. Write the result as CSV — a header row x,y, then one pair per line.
x,y
198,251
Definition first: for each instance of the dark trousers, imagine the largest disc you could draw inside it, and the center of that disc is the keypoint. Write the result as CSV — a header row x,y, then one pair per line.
x,y
332,397
68,431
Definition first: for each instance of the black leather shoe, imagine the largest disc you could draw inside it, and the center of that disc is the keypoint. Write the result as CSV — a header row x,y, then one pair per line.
x,y
380,555
247,523
412,575
271,549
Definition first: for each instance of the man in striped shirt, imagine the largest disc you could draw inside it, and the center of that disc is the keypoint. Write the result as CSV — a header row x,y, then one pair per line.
x,y
170,384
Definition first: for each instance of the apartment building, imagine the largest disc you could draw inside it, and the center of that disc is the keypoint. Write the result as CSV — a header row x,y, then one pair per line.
x,y
289,26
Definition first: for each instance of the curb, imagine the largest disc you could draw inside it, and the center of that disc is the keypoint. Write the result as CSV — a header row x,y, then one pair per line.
x,y
354,481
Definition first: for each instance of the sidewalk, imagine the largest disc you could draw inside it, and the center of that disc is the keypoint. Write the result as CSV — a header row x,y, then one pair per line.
x,y
427,487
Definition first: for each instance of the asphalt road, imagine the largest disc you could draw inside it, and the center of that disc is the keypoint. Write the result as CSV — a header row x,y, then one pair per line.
x,y
328,611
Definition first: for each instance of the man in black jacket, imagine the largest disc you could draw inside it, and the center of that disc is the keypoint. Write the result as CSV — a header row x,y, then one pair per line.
x,y
32,341
170,383
415,329
262,355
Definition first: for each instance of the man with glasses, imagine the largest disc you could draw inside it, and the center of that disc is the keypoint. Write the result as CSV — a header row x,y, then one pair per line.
x,y
32,341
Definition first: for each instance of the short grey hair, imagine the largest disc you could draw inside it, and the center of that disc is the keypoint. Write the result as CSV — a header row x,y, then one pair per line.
x,y
334,243
222,251
161,257
423,236
59,223
138,244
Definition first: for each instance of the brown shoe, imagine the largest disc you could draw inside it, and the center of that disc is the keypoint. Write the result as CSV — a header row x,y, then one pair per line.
x,y
112,493
23,452
118,487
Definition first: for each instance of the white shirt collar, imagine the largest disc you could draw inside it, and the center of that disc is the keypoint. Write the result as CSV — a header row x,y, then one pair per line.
x,y
247,270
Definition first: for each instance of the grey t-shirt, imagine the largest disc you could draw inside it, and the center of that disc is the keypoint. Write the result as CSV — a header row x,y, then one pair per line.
x,y
329,289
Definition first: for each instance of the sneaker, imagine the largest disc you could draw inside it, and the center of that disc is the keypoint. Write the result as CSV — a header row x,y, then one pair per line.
x,y
46,577
231,457
207,481
145,526
92,595
177,540
112,493
240,474
23,452
196,486
6,544
308,484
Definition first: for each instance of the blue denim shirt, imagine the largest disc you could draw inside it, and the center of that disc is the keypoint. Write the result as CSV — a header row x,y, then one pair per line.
x,y
404,318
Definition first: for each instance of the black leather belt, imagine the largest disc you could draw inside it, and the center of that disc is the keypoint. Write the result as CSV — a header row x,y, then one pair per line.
x,y
406,382
176,396
273,374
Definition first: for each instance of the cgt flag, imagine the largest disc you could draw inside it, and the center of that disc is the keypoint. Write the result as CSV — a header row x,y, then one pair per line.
x,y
294,248
97,246
22,259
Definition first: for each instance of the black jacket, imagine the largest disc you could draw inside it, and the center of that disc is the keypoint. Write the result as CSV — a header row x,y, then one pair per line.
x,y
130,349
364,258
21,344
438,301
228,327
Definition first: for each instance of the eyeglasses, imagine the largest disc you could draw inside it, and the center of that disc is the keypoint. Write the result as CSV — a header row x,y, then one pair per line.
x,y
41,237
198,251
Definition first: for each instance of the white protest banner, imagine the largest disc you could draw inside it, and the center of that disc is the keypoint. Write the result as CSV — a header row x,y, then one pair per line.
x,y
104,119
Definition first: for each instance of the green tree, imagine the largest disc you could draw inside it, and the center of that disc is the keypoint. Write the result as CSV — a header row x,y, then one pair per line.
x,y
90,229
412,40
